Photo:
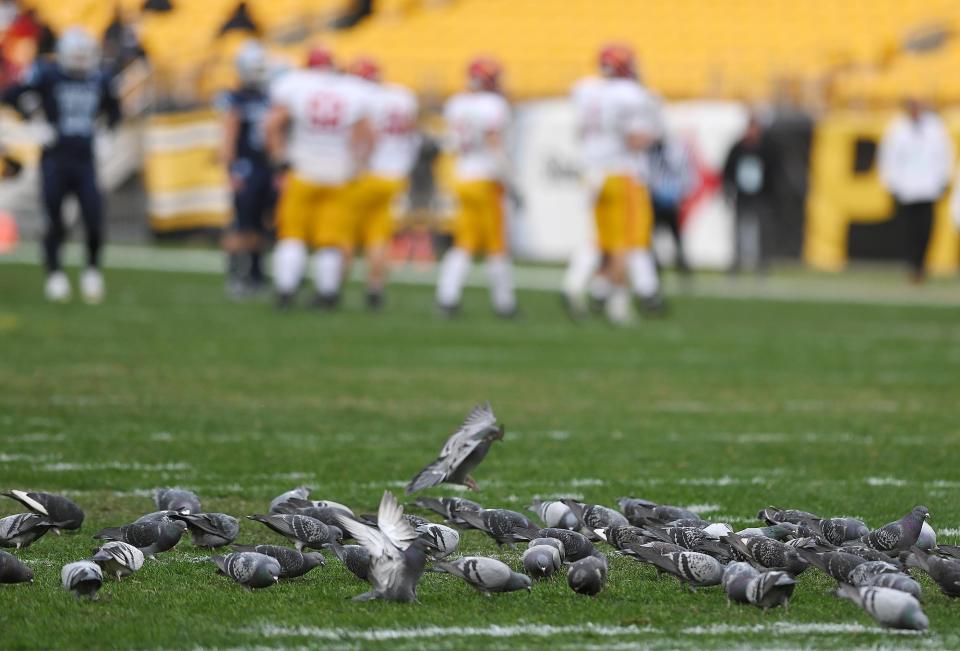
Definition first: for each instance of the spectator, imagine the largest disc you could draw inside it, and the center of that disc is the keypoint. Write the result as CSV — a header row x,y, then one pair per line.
x,y
748,182
121,45
671,180
915,163
159,6
240,20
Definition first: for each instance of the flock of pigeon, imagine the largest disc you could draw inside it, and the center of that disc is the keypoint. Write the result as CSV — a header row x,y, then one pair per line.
x,y
393,549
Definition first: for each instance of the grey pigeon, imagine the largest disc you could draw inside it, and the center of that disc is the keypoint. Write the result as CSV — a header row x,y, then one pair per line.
x,y
554,513
61,512
303,531
688,537
896,581
767,554
736,577
575,545
157,516
13,570
771,589
595,516
118,559
837,531
945,572
862,573
642,512
442,539
691,568
249,569
211,529
22,530
780,531
448,507
623,537
900,535
887,606
462,452
503,525
867,553
927,540
835,564
588,575
549,542
325,514
301,503
541,561
485,574
300,492
177,499
953,551
292,563
775,515
82,578
397,554
355,558
149,537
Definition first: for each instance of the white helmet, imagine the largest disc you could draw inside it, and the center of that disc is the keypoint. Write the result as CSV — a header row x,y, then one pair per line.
x,y
252,65
77,52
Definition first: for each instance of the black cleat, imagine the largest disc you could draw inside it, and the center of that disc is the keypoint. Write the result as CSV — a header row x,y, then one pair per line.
x,y
575,307
652,305
448,311
325,302
375,301
512,314
284,302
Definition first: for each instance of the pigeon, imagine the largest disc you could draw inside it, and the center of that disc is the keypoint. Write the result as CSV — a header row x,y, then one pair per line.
x,y
622,537
300,492
736,577
301,503
462,452
397,554
442,539
767,554
835,564
549,542
541,561
900,535
61,512
149,537
355,558
771,589
867,553
595,516
249,569
927,540
588,575
575,545
23,529
887,606
292,562
688,537
554,514
211,529
485,574
945,572
717,530
503,525
13,570
691,568
82,578
177,499
448,507
897,581
157,516
837,531
118,559
301,530
953,551
640,512
781,531
863,572
325,514
773,515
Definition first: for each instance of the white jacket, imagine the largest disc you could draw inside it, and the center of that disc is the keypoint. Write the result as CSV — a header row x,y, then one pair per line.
x,y
916,158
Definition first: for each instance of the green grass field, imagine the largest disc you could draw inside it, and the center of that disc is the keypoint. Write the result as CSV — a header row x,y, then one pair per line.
x,y
728,405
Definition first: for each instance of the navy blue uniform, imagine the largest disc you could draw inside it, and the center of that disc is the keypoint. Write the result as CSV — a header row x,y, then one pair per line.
x,y
254,198
71,105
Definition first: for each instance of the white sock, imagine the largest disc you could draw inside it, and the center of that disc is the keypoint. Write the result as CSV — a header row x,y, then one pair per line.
x,y
453,272
618,305
583,264
289,260
642,271
327,271
500,276
600,288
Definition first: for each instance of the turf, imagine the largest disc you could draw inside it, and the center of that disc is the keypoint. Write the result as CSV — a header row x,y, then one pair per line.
x,y
726,405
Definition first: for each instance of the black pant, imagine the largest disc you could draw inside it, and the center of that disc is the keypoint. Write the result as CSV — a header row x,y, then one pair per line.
x,y
669,216
917,221
63,174
752,234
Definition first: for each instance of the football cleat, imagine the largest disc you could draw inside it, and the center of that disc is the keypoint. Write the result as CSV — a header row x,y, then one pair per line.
x,y
57,288
92,287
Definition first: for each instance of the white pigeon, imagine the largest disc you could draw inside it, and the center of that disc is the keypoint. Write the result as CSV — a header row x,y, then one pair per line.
x,y
887,606
118,558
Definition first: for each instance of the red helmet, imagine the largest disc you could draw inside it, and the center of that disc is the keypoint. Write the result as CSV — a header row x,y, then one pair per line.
x,y
483,73
617,60
365,67
319,57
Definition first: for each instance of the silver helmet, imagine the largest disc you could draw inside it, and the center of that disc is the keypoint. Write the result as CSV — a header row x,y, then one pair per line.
x,y
252,64
77,51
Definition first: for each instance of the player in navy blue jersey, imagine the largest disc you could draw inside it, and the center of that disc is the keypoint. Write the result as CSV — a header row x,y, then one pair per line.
x,y
73,91
251,175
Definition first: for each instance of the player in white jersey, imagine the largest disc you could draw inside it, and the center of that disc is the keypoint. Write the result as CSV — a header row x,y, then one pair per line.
x,y
328,143
393,119
478,121
619,120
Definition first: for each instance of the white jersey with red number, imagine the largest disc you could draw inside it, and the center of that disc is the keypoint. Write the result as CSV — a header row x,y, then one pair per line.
x,y
471,118
324,109
609,111
393,114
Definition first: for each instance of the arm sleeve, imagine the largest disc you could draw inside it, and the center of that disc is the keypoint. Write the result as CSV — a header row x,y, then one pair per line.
x,y
31,82
110,101
886,158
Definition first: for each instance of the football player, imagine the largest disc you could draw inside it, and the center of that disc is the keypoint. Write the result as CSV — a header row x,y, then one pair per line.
x,y
329,141
73,91
478,121
393,119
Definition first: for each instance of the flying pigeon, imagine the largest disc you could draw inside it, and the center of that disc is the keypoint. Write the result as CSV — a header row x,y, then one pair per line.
x,y
736,577
82,578
773,515
575,545
595,516
767,554
485,574
177,499
896,581
900,535
61,512
541,561
927,540
462,452
249,569
554,514
835,564
945,572
22,530
292,562
549,542
118,558
771,589
448,507
13,570
887,606
355,558
588,575
211,529
837,531
149,537
300,492
301,530
503,525
397,554
442,539
642,512
691,568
